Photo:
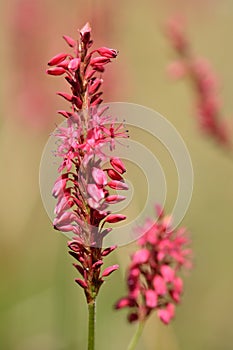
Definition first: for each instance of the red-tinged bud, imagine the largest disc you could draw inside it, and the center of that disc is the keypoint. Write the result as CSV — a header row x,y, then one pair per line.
x,y
97,102
79,268
71,42
55,71
65,96
77,101
85,33
74,64
114,199
64,64
97,264
99,61
107,251
65,113
90,74
106,52
99,68
118,165
57,59
109,270
94,86
114,175
82,283
113,218
96,97
118,185
133,317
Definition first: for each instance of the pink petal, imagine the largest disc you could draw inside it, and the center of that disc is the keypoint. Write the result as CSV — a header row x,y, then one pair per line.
x,y
167,314
151,298
99,176
96,193
168,273
159,285
74,64
141,256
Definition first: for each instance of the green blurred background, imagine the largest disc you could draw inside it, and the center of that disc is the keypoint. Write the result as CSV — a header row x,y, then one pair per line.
x,y
40,305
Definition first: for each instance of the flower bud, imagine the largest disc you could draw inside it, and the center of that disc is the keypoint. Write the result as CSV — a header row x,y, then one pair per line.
x,y
57,59
106,52
118,165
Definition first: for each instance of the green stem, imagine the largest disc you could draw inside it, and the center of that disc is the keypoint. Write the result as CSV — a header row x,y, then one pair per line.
x,y
91,325
136,336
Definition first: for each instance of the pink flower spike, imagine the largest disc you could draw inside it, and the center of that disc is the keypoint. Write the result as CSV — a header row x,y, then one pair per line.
x,y
151,298
57,59
99,177
118,165
71,42
109,270
74,64
118,185
166,315
106,52
113,218
56,71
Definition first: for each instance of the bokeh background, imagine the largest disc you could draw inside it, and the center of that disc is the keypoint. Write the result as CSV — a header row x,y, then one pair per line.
x,y
40,305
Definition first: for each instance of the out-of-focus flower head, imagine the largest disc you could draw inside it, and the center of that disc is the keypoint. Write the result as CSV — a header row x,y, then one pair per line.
x,y
204,81
153,279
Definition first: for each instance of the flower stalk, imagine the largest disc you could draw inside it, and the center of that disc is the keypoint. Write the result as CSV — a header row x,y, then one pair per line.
x,y
91,324
134,341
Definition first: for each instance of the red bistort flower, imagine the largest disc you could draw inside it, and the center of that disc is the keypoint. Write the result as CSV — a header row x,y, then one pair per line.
x,y
153,279
83,187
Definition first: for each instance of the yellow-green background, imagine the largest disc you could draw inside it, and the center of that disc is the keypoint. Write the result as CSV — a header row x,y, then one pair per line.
x,y
40,305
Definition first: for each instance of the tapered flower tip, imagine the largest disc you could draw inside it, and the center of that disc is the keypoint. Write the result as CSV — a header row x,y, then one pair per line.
x,y
85,29
109,270
113,218
118,165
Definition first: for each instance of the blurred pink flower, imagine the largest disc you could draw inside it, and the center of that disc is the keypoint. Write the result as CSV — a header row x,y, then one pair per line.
x,y
152,280
204,81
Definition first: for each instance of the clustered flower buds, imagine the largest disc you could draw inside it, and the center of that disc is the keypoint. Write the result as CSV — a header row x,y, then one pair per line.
x,y
84,187
204,81
153,279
